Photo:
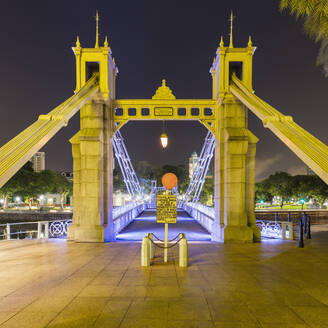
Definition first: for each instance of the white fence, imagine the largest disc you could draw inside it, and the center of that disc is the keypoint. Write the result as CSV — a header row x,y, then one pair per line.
x,y
123,215
271,229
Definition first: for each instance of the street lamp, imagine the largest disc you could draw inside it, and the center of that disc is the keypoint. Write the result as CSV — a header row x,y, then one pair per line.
x,y
164,138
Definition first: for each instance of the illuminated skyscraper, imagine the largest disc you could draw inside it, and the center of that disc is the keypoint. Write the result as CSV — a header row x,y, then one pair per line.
x,y
39,161
192,163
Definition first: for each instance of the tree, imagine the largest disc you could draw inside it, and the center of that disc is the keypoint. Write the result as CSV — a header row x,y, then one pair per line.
x,y
302,185
11,187
280,184
62,186
315,15
262,193
206,196
319,190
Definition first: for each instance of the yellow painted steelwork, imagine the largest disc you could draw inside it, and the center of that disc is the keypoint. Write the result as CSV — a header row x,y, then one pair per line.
x,y
309,149
164,106
15,153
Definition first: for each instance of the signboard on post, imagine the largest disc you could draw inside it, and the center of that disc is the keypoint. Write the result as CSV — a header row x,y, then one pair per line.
x,y
166,209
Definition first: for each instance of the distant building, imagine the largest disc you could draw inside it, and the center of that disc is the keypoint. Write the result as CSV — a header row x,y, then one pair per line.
x,y
39,161
193,159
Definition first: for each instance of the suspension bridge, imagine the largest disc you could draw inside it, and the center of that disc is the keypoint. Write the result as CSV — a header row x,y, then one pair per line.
x,y
229,142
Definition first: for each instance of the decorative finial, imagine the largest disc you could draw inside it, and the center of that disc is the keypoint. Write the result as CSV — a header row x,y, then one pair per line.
x,y
221,42
163,92
97,33
106,42
78,44
250,42
231,26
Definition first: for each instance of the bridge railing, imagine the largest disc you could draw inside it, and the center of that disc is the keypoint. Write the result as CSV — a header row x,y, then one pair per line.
x,y
201,213
34,230
123,215
273,229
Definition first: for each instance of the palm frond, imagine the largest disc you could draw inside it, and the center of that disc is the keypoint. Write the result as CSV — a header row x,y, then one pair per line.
x,y
322,58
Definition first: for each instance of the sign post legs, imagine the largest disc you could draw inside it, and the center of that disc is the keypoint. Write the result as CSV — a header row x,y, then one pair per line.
x,y
165,241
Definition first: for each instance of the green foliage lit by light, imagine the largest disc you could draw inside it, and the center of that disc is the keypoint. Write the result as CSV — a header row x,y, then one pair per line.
x,y
315,15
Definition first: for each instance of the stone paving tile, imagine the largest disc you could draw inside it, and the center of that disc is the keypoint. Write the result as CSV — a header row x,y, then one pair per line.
x,y
229,324
29,320
313,316
275,313
73,320
105,320
189,324
148,309
4,316
52,304
231,312
189,309
14,303
142,323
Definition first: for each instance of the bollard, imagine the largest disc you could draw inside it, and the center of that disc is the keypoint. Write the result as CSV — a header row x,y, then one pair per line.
x,y
308,235
151,246
305,223
183,252
300,237
8,232
145,259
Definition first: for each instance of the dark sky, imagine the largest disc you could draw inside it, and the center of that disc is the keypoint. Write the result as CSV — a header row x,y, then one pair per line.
x,y
152,40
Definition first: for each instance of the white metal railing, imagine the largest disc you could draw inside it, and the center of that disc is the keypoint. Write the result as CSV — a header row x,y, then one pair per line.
x,y
123,215
201,213
34,230
205,216
118,211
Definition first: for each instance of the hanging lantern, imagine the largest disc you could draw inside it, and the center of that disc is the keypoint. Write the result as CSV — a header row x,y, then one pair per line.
x,y
163,137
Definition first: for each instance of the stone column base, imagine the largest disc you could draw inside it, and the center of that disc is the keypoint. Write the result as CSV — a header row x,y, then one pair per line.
x,y
216,234
89,234
237,234
71,232
256,233
109,233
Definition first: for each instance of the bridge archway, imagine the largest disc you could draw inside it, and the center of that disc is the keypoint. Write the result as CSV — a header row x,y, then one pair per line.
x,y
235,145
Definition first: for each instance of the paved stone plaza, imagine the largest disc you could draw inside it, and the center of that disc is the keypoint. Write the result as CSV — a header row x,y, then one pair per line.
x,y
61,284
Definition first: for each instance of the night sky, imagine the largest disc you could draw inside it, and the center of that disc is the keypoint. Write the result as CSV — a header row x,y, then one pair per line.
x,y
152,40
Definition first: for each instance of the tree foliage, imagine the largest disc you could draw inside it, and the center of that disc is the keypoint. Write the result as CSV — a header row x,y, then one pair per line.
x,y
315,15
299,187
30,185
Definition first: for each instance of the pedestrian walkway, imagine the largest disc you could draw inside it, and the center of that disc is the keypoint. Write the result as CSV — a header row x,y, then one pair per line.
x,y
59,284
146,223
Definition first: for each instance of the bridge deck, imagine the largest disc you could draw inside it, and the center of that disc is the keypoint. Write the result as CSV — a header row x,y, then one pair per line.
x,y
146,223
61,284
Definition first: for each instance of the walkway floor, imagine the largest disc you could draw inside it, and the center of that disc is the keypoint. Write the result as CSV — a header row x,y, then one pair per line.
x,y
146,223
60,284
